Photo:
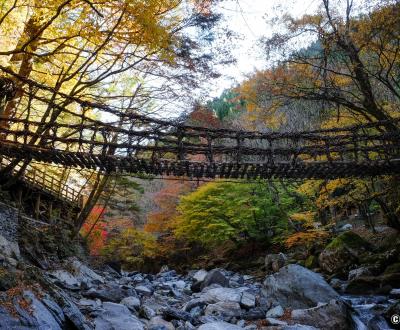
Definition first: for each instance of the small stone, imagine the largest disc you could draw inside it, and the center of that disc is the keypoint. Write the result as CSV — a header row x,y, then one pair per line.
x,y
275,312
164,269
272,321
147,312
254,314
176,314
193,304
157,323
133,303
200,275
222,294
143,290
219,326
248,300
395,293
225,311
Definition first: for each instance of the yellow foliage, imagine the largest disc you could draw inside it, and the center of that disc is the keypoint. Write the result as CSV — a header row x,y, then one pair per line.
x,y
306,217
132,247
305,238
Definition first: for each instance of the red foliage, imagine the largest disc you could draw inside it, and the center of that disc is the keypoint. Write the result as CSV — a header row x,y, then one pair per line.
x,y
95,229
166,200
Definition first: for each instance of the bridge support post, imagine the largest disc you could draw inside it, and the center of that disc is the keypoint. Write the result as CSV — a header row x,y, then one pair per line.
x,y
37,206
50,212
19,197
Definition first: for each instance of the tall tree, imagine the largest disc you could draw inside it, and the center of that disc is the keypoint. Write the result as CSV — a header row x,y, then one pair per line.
x,y
356,68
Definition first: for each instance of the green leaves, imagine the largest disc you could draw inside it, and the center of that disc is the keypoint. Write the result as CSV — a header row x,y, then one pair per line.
x,y
221,211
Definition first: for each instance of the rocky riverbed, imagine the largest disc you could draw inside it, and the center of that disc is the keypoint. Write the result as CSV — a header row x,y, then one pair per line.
x,y
73,295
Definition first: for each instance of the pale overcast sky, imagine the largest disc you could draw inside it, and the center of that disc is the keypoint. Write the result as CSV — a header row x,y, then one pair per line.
x,y
249,19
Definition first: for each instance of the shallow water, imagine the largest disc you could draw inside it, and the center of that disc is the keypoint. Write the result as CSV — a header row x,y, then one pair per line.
x,y
368,311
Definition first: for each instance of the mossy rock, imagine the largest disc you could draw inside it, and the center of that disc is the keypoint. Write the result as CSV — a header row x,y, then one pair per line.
x,y
7,279
311,262
350,240
368,285
393,268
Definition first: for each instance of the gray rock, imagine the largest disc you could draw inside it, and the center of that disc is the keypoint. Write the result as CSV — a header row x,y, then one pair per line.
x,y
71,311
116,317
297,287
89,304
113,294
272,321
214,277
356,273
329,316
219,326
395,293
65,279
247,300
176,314
83,272
275,312
222,294
144,290
251,327
274,262
198,302
43,317
346,227
157,323
299,327
54,309
337,284
147,312
224,310
9,322
133,303
200,275
164,269
9,249
254,314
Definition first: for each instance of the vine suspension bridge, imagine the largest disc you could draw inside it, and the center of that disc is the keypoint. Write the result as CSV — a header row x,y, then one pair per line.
x,y
138,144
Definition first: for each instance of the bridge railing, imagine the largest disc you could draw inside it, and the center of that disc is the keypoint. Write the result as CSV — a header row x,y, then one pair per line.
x,y
40,179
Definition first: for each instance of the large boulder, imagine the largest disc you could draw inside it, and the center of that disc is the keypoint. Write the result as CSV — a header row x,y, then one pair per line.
x,y
297,287
116,317
274,262
330,316
214,276
37,314
343,252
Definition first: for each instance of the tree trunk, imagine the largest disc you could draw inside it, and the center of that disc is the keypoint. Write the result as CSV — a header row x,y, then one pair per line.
x,y
391,217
